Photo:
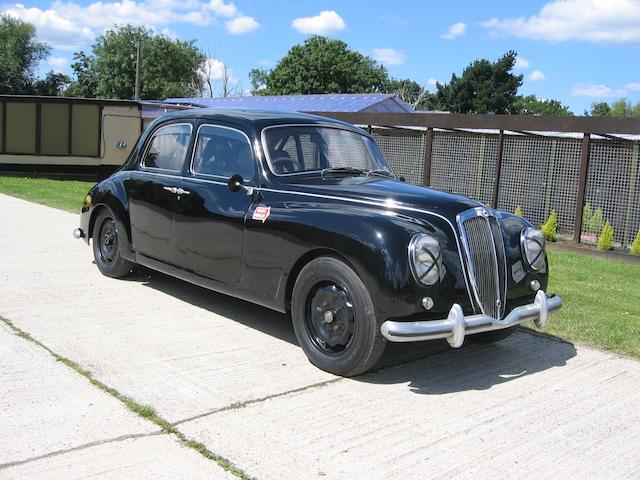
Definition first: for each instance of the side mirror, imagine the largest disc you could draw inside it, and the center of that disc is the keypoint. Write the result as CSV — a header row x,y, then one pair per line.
x,y
402,179
235,183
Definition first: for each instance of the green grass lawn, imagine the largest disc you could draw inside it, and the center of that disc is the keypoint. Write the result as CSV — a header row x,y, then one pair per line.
x,y
601,301
601,296
63,194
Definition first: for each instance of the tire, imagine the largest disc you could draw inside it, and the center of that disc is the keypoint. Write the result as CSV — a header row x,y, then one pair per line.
x,y
107,248
334,319
495,336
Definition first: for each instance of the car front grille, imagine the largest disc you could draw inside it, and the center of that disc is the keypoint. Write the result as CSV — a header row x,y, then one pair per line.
x,y
484,249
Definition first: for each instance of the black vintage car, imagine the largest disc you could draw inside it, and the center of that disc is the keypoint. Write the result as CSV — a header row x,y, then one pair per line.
x,y
302,214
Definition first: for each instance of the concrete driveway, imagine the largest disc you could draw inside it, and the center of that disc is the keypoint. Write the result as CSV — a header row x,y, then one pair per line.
x,y
229,375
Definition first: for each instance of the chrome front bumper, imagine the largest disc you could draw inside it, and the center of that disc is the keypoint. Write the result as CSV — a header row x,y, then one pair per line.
x,y
456,326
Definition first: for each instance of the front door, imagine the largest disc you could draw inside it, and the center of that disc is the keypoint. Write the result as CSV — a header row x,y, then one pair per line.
x,y
151,191
209,218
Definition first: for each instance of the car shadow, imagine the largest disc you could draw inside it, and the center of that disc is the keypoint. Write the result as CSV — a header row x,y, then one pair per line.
x,y
474,367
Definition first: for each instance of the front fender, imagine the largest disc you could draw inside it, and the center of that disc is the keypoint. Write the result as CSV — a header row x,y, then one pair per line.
x,y
373,241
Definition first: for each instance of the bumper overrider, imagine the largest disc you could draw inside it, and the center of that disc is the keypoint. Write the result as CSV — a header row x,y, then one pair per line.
x,y
456,326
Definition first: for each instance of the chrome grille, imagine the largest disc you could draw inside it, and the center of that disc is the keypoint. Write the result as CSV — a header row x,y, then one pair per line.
x,y
484,250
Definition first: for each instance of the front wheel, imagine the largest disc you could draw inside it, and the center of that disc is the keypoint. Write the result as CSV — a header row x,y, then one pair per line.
x,y
334,319
107,247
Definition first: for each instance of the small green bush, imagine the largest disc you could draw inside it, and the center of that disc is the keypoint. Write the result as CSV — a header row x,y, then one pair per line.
x,y
587,215
519,212
597,222
550,228
635,246
605,241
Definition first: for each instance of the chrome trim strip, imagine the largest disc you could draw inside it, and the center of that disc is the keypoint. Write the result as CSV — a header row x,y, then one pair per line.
x,y
141,164
321,125
456,326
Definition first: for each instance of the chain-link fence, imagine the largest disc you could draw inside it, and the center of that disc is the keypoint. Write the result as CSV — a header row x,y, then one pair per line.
x,y
537,171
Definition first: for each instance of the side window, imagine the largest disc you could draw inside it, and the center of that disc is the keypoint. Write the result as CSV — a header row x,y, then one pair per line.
x,y
168,147
223,152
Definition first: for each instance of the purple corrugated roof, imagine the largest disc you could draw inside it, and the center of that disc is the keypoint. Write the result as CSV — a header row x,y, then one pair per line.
x,y
351,102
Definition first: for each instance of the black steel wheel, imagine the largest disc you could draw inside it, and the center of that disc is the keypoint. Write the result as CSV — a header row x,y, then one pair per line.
x,y
334,318
107,248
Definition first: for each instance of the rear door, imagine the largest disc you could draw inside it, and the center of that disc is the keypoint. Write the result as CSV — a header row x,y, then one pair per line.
x,y
152,188
209,218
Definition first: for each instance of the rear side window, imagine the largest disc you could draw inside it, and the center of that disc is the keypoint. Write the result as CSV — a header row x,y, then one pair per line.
x,y
168,147
223,152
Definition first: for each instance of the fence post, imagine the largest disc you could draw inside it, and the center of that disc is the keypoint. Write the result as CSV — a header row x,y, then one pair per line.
x,y
496,183
582,184
428,143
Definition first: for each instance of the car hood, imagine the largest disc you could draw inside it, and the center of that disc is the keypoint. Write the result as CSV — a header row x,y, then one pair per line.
x,y
388,192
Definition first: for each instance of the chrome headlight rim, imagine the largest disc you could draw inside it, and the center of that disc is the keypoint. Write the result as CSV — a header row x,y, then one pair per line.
x,y
436,265
526,236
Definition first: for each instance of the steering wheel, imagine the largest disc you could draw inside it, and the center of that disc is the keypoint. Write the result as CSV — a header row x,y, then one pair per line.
x,y
285,165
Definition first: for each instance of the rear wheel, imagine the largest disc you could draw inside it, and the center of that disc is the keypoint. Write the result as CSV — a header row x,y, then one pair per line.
x,y
334,318
107,246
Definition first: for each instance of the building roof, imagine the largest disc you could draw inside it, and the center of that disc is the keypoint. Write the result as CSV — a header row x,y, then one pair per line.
x,y
352,102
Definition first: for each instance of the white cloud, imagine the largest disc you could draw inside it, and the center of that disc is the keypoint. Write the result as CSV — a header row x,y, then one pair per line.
x,y
215,72
326,23
432,82
266,63
536,75
242,25
388,56
67,25
602,21
455,31
58,64
634,87
595,90
522,63
222,9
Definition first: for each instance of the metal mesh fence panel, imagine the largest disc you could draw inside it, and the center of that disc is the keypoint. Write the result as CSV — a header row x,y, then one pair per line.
x,y
541,174
404,152
611,192
464,164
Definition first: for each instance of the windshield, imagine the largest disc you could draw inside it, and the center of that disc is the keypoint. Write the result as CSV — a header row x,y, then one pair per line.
x,y
296,149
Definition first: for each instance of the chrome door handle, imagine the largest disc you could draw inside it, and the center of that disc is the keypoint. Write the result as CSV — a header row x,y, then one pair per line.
x,y
180,191
171,189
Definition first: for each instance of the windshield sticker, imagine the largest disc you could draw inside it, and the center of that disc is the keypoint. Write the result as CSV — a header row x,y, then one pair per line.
x,y
261,213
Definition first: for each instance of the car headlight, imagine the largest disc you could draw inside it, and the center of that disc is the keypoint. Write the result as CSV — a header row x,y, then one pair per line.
x,y
532,242
425,259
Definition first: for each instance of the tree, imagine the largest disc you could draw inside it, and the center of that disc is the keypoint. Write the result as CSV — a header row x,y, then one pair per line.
x,y
86,82
258,79
620,108
53,84
483,87
532,105
20,55
411,92
550,228
605,241
321,65
169,68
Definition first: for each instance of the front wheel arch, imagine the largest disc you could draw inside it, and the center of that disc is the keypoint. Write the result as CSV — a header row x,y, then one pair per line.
x,y
302,262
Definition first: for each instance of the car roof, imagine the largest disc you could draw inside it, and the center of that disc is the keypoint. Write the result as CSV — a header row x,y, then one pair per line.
x,y
257,119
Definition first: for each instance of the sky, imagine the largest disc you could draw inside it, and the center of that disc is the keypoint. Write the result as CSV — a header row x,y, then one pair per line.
x,y
576,51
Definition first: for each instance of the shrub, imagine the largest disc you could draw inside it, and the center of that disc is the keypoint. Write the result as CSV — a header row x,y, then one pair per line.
x,y
605,241
587,215
550,228
519,212
635,246
597,223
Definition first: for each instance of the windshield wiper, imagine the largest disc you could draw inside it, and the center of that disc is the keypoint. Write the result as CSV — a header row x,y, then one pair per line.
x,y
383,172
343,170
